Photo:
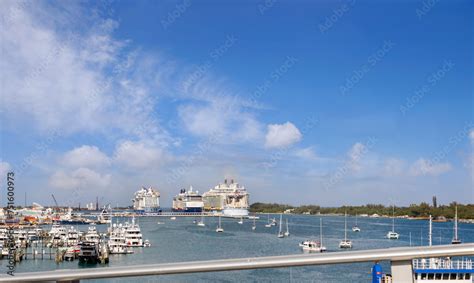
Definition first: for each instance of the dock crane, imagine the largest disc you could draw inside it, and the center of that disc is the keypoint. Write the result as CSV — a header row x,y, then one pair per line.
x,y
57,206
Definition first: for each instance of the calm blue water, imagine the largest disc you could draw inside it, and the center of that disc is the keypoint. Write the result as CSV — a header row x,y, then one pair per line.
x,y
181,240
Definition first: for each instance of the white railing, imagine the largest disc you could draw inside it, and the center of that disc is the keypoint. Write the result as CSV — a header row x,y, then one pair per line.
x,y
401,259
441,263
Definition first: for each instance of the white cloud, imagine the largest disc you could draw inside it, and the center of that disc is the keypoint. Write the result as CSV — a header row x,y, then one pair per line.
x,y
426,167
139,155
306,153
81,178
71,82
471,136
4,168
85,156
282,135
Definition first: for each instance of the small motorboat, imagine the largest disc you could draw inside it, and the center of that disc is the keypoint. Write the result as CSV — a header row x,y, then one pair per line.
x,y
312,246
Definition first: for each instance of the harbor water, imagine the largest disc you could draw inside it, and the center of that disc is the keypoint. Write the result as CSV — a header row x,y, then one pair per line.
x,y
180,240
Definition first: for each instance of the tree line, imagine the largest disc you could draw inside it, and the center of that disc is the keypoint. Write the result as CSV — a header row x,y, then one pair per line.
x,y
414,210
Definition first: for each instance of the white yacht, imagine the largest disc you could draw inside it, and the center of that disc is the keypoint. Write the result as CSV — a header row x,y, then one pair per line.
x,y
133,234
32,236
219,228
346,243
105,217
72,238
92,235
392,235
58,235
21,237
117,241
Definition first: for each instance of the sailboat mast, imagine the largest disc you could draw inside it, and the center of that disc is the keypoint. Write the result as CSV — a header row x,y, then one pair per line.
x,y
393,218
280,223
345,226
287,227
430,235
456,223
321,231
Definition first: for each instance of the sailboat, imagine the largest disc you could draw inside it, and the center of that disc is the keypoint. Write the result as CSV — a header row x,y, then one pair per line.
x,y
392,235
269,224
254,224
313,245
323,248
241,221
219,228
280,233
287,233
356,228
346,243
456,240
201,223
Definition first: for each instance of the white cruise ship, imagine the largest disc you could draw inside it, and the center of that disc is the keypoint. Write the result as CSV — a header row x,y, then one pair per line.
x,y
188,201
229,197
146,200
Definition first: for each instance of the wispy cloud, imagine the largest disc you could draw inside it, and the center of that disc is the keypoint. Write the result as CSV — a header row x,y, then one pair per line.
x,y
306,153
69,81
425,167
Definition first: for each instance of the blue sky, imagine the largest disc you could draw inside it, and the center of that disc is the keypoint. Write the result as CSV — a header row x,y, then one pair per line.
x,y
322,102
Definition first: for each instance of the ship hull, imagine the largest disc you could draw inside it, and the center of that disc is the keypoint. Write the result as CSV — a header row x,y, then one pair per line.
x,y
230,211
147,210
188,209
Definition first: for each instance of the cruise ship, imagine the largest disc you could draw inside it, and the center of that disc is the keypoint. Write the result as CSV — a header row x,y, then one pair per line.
x,y
146,201
229,197
188,201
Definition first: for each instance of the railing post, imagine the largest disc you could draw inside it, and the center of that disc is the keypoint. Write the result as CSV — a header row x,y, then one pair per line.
x,y
402,271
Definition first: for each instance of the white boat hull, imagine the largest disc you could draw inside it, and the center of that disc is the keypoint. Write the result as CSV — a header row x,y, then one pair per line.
x,y
229,211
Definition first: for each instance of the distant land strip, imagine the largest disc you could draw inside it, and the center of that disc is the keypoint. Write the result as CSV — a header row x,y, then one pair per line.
x,y
417,211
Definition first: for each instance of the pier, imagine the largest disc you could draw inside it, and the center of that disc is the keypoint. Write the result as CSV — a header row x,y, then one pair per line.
x,y
400,258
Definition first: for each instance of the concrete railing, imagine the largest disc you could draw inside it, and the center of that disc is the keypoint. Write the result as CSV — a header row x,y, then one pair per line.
x,y
401,259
